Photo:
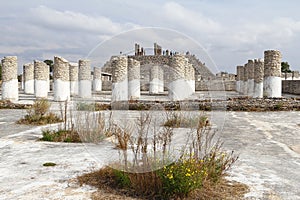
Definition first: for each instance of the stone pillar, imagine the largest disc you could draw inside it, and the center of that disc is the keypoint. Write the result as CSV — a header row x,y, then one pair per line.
x,y
250,70
10,78
177,84
134,85
73,78
97,80
61,76
272,73
161,79
41,79
119,79
190,78
85,83
28,73
242,78
258,78
245,90
154,80
239,78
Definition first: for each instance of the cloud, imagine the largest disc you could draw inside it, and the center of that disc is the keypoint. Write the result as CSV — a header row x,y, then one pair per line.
x,y
188,19
75,21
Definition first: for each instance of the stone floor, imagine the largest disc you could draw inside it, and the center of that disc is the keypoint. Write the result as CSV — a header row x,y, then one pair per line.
x,y
267,144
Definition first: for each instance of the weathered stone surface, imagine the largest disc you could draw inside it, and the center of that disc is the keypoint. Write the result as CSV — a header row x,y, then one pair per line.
x,y
178,64
28,71
242,73
61,69
73,71
154,72
245,72
9,68
97,73
41,70
84,69
250,69
272,63
133,69
119,65
189,72
239,73
258,71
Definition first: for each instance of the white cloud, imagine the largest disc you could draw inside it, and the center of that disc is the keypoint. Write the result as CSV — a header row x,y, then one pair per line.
x,y
69,20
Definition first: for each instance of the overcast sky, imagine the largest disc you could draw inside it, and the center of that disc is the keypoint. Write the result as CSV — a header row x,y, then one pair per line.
x,y
230,31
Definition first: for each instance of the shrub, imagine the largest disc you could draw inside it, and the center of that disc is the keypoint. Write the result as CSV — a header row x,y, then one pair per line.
x,y
39,114
60,136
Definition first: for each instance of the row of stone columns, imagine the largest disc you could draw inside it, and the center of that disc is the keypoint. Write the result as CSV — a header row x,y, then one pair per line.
x,y
261,78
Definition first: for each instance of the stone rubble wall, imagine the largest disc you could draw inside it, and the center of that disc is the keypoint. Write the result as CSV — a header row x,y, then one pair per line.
x,y
272,63
133,69
258,71
246,72
84,70
28,71
73,71
291,86
61,69
9,68
178,64
41,70
215,85
239,73
97,73
119,65
242,73
250,69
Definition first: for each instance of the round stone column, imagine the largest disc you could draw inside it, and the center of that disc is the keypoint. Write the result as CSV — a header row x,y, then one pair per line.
x,y
177,85
242,77
97,80
250,70
134,85
10,89
85,83
190,78
41,79
238,78
119,79
245,90
161,79
258,78
154,80
28,73
73,78
61,76
272,73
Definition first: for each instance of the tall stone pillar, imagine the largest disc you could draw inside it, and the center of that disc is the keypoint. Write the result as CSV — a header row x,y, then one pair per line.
x,y
154,80
73,78
238,78
177,85
97,80
28,73
85,82
10,89
119,79
161,79
41,79
250,70
190,78
272,73
134,85
61,76
242,79
245,90
258,78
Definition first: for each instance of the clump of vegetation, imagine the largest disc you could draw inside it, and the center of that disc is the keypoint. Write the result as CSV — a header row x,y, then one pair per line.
x,y
39,114
49,164
60,136
198,173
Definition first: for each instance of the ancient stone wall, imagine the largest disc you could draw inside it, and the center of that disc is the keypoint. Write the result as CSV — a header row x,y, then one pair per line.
x,y
61,69
9,68
41,70
242,73
97,73
119,66
28,71
250,69
133,69
258,71
73,71
291,86
272,63
84,69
